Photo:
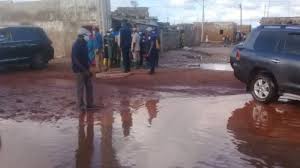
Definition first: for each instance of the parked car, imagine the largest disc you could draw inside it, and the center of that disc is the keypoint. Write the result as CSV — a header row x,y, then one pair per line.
x,y
269,62
25,45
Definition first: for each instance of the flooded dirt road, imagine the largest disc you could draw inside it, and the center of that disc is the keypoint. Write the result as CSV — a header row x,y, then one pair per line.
x,y
195,118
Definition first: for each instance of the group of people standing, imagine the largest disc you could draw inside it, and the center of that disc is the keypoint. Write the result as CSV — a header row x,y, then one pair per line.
x,y
93,53
142,45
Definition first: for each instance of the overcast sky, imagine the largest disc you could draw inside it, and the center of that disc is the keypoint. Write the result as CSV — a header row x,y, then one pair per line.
x,y
188,11
181,11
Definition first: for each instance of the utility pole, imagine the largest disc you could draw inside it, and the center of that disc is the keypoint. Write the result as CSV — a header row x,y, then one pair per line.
x,y
268,14
203,19
289,8
241,15
104,20
76,8
265,10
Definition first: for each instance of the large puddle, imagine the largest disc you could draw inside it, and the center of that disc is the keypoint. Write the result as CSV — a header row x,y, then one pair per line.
x,y
223,131
212,66
217,67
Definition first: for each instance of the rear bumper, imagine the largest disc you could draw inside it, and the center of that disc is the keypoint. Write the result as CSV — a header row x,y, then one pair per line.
x,y
50,53
239,73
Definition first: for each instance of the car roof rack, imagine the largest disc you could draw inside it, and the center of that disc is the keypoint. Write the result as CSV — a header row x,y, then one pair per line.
x,y
281,26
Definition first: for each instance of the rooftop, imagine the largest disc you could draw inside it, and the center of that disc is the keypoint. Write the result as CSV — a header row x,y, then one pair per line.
x,y
17,26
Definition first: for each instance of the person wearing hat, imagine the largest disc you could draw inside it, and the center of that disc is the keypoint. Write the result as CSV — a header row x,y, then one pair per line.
x,y
81,68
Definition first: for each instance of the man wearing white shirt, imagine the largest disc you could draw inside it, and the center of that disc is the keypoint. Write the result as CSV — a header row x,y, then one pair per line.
x,y
135,47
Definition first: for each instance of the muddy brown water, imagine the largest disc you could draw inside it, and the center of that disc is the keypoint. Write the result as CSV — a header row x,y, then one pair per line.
x,y
216,67
170,130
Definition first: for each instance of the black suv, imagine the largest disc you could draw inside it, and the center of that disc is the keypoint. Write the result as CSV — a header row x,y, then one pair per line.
x,y
25,45
269,62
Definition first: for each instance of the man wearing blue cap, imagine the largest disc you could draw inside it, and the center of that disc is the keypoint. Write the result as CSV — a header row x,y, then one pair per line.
x,y
81,66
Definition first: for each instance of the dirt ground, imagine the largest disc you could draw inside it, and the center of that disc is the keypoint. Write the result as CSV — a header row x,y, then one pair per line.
x,y
183,116
194,57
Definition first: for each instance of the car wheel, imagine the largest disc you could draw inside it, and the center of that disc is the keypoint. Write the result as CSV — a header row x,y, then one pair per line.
x,y
39,62
263,89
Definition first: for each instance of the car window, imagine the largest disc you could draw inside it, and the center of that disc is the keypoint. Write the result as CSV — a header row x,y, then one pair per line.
x,y
26,34
248,38
292,44
4,36
267,41
42,34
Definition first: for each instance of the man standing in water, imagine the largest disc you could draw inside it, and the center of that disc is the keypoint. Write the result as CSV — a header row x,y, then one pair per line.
x,y
81,68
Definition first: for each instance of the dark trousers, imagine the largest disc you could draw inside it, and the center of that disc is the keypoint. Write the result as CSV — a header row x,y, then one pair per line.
x,y
84,90
157,58
141,58
152,60
126,59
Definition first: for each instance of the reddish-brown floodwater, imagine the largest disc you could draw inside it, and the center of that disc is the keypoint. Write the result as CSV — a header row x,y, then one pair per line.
x,y
171,131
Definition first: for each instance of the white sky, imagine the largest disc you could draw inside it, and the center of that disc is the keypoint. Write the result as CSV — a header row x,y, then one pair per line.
x,y
182,11
188,11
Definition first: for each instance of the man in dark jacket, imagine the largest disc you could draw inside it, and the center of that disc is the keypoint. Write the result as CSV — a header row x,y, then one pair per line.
x,y
80,66
125,44
153,51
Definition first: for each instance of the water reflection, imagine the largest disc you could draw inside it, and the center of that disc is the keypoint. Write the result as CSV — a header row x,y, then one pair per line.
x,y
151,106
89,154
107,153
126,116
84,153
268,133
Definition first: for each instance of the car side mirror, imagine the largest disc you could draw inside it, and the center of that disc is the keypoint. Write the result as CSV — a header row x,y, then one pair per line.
x,y
3,39
240,46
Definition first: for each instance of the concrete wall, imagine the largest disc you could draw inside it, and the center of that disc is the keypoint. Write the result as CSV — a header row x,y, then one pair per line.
x,y
191,36
169,40
61,19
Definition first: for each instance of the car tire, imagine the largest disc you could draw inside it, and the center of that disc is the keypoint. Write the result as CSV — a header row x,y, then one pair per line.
x,y
39,62
264,89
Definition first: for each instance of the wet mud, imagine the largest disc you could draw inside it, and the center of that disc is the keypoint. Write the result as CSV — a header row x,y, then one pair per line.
x,y
177,118
196,58
50,94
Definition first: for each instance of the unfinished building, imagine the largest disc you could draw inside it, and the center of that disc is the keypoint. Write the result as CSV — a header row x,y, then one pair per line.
x,y
244,28
138,16
214,32
280,20
59,18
